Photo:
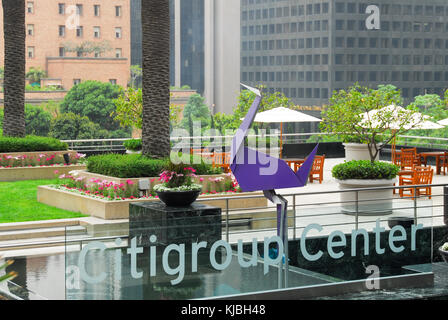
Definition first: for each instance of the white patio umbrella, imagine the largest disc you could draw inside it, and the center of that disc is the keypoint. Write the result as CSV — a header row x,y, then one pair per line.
x,y
283,115
418,121
443,122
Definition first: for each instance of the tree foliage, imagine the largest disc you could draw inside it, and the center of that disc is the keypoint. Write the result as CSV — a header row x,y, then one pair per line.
x,y
195,111
70,126
37,120
346,116
94,100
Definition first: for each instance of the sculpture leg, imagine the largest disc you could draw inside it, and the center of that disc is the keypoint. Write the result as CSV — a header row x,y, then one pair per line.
x,y
282,232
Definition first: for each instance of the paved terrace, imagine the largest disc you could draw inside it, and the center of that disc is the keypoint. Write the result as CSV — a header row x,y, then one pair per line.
x,y
323,208
311,208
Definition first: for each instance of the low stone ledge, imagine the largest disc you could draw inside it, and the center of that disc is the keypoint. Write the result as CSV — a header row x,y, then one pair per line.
x,y
119,209
36,173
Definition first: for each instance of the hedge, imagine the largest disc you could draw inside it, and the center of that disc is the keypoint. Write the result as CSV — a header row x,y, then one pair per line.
x,y
365,169
136,166
31,144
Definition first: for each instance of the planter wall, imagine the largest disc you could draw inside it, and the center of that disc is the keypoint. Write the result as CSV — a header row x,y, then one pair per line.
x,y
36,173
357,151
302,150
374,207
111,210
207,185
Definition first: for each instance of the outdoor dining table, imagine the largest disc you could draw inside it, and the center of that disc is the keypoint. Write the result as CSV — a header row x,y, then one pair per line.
x,y
296,162
437,155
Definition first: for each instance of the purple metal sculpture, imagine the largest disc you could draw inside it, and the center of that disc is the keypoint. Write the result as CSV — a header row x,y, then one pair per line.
x,y
254,170
257,171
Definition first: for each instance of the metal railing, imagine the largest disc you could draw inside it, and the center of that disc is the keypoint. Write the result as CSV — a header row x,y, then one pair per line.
x,y
116,145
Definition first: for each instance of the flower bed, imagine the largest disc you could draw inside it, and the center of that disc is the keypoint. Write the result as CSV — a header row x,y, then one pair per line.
x,y
211,184
94,205
18,166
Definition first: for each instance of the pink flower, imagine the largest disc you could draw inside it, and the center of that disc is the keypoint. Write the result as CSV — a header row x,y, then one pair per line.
x,y
56,171
201,179
130,182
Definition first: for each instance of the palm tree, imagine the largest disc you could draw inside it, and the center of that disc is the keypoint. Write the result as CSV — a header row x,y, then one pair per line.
x,y
36,74
14,78
156,78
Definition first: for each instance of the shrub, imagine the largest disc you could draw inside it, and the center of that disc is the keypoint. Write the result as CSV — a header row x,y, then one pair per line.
x,y
30,144
365,169
37,121
133,144
70,126
136,166
94,100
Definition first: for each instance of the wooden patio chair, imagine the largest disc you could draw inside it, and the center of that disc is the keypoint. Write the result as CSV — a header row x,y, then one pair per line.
x,y
317,169
408,161
222,160
421,176
444,163
413,151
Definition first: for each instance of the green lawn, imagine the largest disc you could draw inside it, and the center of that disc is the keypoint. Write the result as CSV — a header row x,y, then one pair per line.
x,y
18,203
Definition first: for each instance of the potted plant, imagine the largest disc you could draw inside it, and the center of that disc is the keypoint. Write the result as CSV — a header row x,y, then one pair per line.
x,y
177,188
366,174
443,250
133,146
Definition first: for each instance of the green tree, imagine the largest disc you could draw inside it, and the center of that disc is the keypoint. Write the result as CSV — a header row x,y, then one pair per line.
x,y
197,110
38,121
70,126
94,100
136,74
432,105
345,116
14,63
129,108
36,74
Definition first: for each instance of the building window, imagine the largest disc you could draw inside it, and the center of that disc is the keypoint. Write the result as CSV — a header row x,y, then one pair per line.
x,y
118,33
118,11
76,81
30,29
61,7
62,31
96,32
79,31
96,10
79,9
61,51
97,54
30,51
118,53
30,7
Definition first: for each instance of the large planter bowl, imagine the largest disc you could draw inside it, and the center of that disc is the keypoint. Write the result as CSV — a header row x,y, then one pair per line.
x,y
178,198
357,151
371,202
444,254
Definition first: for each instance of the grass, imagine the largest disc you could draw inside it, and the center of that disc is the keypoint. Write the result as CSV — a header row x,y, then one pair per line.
x,y
18,203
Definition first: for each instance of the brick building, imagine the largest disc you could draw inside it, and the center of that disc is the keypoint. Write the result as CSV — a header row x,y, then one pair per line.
x,y
77,40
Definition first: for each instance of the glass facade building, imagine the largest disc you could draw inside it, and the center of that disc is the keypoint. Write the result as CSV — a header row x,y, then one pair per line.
x,y
308,48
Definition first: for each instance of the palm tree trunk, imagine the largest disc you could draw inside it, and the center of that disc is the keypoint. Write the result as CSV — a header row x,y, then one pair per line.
x,y
156,78
14,76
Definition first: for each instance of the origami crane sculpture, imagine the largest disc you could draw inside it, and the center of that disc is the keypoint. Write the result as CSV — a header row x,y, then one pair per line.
x,y
257,171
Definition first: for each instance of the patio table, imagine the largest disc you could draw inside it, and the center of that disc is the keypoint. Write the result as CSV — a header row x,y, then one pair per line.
x,y
296,162
437,155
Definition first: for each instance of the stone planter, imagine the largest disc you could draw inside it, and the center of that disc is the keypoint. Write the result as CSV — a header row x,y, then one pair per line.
x,y
133,152
110,210
444,254
357,151
36,173
370,203
178,198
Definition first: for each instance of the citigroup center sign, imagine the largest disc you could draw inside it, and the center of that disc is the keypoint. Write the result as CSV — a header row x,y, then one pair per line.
x,y
171,260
